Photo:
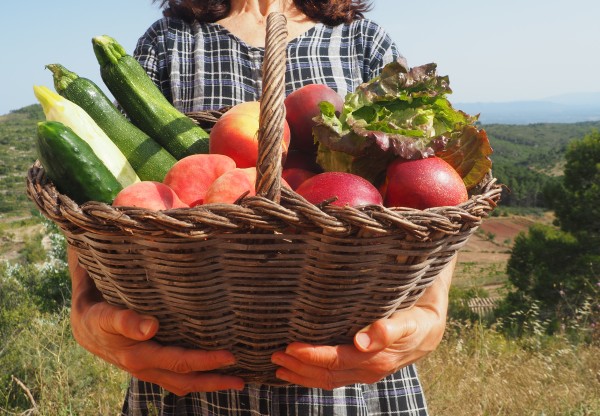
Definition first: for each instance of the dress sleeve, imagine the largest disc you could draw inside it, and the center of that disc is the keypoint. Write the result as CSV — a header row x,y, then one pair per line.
x,y
380,49
150,52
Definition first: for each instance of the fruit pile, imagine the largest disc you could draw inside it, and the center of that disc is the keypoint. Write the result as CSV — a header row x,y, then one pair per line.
x,y
396,142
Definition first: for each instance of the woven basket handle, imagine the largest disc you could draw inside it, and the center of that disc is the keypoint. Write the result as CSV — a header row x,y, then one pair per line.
x,y
272,110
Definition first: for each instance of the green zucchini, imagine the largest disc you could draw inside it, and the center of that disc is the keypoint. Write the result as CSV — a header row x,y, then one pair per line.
x,y
144,103
72,165
149,159
58,108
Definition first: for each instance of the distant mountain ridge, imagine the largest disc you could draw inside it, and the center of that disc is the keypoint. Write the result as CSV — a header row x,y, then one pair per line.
x,y
565,108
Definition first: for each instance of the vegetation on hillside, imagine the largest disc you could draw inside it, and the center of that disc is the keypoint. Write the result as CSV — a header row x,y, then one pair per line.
x,y
17,154
558,268
529,158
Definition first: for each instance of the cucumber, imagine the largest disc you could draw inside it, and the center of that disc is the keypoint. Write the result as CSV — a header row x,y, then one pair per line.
x,y
144,103
72,165
148,158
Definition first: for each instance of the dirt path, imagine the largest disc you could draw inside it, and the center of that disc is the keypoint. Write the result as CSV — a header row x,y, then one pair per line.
x,y
482,261
13,236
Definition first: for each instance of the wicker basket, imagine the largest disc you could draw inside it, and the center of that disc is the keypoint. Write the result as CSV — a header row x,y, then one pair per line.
x,y
253,276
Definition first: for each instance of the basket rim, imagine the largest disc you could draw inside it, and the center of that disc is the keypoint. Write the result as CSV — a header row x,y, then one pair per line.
x,y
257,212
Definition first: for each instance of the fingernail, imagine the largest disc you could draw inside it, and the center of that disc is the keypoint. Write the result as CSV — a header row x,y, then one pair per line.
x,y
363,340
146,326
229,361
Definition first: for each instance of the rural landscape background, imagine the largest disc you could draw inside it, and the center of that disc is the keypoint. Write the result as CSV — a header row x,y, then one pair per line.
x,y
522,336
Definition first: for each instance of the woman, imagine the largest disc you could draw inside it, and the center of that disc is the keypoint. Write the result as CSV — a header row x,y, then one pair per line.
x,y
208,54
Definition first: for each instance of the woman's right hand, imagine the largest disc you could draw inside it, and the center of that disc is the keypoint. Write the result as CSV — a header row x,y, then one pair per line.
x,y
122,337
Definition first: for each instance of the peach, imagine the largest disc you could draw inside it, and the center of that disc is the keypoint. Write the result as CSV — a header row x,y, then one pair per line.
x,y
302,106
228,187
150,195
235,134
191,176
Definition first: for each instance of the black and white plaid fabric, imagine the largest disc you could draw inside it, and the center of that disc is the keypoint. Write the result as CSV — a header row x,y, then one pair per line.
x,y
397,395
203,66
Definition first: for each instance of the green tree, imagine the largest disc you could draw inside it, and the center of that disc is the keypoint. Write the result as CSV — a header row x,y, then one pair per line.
x,y
576,201
557,269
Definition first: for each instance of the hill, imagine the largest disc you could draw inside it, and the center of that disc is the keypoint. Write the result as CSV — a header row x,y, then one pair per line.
x,y
17,154
540,146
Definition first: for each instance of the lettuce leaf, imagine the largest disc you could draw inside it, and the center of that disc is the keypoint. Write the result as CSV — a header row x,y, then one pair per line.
x,y
402,113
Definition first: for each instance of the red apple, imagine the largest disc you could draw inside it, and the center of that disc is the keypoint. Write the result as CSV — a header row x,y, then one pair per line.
x,y
235,134
296,176
148,194
349,189
423,183
302,106
191,176
302,160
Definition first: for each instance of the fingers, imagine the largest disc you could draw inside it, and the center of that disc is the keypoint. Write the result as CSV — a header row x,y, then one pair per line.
x,y
125,322
180,360
182,384
385,332
328,374
179,370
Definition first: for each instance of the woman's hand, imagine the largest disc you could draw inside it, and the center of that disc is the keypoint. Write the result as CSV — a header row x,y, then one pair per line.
x,y
379,350
121,337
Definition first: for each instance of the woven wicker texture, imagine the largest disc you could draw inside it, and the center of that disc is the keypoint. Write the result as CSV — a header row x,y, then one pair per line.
x,y
253,276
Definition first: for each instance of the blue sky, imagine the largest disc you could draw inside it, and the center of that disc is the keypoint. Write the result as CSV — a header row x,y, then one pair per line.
x,y
492,50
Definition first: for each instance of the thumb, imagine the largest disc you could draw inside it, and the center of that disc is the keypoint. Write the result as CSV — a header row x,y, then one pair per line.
x,y
125,322
383,333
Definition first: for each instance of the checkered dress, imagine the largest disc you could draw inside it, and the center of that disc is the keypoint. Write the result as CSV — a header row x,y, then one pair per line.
x,y
397,395
203,66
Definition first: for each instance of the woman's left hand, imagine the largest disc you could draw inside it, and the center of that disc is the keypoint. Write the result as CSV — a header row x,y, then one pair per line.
x,y
379,349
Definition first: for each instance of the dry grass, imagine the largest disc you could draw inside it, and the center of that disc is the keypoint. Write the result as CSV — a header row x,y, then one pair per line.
x,y
475,371
480,372
50,374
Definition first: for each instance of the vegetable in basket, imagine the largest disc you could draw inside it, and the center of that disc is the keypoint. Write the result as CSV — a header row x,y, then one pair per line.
x,y
144,103
402,113
57,108
149,159
73,166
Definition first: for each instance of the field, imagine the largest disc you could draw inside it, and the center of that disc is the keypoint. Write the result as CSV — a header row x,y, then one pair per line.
x,y
482,261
